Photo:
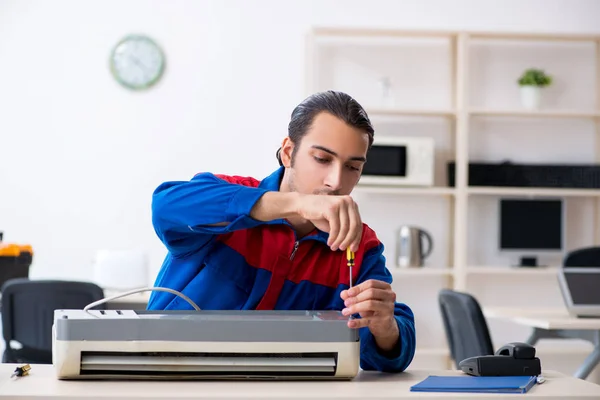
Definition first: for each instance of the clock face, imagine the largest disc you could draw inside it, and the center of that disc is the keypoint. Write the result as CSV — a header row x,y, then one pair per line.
x,y
137,62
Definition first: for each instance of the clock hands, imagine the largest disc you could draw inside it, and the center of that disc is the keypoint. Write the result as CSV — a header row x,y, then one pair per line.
x,y
137,62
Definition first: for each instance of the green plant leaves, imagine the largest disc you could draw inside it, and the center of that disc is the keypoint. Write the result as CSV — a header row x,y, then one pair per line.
x,y
535,77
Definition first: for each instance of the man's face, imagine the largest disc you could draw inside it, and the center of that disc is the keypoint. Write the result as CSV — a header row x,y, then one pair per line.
x,y
328,159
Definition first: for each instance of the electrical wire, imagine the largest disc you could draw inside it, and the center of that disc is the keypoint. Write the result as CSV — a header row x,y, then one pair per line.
x,y
147,289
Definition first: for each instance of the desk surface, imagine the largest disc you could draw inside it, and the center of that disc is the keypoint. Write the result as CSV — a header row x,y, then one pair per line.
x,y
42,384
545,318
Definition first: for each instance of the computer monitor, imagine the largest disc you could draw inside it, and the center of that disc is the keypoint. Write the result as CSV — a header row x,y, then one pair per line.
x,y
579,288
531,226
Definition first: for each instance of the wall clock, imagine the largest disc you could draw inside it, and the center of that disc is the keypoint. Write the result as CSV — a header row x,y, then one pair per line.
x,y
137,62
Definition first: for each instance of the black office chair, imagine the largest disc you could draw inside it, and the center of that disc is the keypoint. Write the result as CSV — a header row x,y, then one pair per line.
x,y
584,257
466,328
28,314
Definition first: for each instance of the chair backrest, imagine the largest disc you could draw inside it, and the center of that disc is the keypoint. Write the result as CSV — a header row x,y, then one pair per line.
x,y
466,328
584,257
28,309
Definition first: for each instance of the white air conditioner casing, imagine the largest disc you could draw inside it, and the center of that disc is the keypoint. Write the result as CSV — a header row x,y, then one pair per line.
x,y
124,344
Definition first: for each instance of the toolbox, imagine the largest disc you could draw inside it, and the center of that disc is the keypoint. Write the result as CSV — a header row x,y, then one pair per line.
x,y
15,260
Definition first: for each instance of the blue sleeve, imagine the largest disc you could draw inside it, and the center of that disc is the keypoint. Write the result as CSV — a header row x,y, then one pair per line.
x,y
183,212
397,360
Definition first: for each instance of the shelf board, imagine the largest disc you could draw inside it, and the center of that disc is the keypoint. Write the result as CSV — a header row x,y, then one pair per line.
x,y
536,114
377,32
398,112
495,270
527,191
422,271
551,37
389,189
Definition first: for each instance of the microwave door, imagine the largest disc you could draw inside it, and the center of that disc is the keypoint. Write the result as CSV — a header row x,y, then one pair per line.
x,y
388,161
400,161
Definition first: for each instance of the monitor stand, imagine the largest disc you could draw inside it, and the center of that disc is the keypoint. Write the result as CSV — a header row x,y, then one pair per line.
x,y
529,262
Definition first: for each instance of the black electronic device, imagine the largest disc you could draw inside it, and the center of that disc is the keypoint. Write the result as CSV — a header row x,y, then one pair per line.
x,y
531,226
513,359
386,161
509,174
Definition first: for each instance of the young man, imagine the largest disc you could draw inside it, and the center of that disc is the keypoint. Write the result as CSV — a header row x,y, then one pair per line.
x,y
280,243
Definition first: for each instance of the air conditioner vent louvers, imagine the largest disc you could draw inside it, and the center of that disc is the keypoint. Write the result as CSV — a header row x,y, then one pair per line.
x,y
208,364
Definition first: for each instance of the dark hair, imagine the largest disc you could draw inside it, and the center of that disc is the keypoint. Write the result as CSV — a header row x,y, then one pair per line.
x,y
338,104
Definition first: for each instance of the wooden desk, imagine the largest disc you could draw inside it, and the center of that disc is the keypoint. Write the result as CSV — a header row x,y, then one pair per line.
x,y
553,323
42,384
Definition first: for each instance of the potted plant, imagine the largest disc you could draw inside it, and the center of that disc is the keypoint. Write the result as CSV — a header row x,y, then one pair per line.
x,y
531,82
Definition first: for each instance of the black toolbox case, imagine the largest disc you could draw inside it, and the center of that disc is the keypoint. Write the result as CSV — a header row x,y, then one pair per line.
x,y
15,261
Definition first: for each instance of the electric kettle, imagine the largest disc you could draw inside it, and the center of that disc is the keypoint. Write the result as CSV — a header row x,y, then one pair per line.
x,y
411,249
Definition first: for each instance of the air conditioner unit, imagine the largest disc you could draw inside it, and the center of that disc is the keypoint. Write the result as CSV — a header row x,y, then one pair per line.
x,y
125,344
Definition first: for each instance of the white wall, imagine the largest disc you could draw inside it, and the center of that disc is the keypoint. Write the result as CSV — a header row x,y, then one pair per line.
x,y
80,156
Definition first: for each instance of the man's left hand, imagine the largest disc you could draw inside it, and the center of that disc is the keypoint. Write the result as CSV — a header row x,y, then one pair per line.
x,y
374,301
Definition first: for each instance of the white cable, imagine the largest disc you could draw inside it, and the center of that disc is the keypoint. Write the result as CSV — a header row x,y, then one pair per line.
x,y
147,289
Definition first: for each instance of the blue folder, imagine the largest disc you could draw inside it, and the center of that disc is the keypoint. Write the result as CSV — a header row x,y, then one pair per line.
x,y
475,384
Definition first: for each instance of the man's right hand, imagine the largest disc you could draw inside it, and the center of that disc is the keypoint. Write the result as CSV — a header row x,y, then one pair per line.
x,y
337,215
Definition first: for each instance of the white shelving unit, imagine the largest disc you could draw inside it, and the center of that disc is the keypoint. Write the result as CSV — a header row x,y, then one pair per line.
x,y
411,113
537,114
432,191
539,192
444,93
514,271
402,273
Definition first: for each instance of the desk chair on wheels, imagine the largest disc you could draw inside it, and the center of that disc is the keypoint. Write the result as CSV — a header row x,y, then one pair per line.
x,y
28,314
466,329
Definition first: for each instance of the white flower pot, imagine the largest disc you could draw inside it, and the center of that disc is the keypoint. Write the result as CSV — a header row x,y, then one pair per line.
x,y
531,97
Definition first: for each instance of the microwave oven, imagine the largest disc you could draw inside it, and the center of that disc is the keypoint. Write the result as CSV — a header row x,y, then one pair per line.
x,y
399,161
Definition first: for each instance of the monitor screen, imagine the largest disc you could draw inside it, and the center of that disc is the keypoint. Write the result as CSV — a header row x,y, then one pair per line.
x,y
583,287
531,224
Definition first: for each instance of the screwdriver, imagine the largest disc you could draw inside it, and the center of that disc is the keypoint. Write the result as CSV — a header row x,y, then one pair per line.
x,y
350,258
21,371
